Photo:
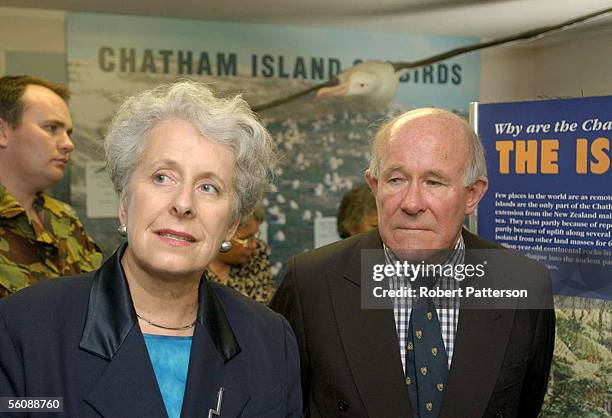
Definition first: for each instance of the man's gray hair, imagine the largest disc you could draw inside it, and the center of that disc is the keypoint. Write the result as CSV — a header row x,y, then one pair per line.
x,y
226,121
477,166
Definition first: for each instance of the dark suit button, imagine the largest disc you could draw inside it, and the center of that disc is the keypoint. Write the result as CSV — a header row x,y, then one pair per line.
x,y
500,414
343,406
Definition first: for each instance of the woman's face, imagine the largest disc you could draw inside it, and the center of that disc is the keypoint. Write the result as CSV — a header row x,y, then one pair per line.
x,y
180,201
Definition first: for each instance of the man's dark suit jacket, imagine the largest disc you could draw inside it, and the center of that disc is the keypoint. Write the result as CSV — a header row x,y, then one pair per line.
x,y
350,359
78,338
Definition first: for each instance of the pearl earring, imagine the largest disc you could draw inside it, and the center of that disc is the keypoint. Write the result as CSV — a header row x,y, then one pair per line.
x,y
225,247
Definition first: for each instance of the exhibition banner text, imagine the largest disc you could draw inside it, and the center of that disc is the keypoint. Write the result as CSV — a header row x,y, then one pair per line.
x,y
550,193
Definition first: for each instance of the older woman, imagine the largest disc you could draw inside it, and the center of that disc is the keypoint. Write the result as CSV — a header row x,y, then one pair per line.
x,y
147,335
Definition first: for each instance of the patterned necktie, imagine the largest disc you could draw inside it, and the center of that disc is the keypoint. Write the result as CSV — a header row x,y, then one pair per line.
x,y
426,360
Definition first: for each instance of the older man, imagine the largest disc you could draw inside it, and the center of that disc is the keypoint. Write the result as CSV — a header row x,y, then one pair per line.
x,y
40,237
418,358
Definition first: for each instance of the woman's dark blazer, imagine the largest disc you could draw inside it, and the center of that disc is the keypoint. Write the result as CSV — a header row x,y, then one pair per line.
x,y
78,338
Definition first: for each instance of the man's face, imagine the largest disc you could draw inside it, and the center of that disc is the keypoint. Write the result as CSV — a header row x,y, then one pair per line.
x,y
420,192
38,148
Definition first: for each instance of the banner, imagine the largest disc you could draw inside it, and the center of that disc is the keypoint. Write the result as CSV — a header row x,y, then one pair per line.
x,y
550,192
325,143
550,197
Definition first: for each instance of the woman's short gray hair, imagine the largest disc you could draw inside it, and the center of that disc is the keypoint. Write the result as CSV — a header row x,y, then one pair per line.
x,y
227,121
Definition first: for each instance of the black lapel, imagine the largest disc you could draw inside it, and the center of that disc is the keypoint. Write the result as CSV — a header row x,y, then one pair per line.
x,y
110,312
214,319
128,386
368,336
480,343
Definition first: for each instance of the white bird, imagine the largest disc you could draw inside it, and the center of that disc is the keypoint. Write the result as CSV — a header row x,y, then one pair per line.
x,y
318,190
376,80
327,179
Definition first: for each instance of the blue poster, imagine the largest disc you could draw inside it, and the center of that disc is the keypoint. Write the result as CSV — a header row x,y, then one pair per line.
x,y
550,190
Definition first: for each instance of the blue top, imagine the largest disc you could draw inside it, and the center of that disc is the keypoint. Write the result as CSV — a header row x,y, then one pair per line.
x,y
170,358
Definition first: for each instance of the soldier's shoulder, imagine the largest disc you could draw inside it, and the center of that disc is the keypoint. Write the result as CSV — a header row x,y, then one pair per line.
x,y
60,208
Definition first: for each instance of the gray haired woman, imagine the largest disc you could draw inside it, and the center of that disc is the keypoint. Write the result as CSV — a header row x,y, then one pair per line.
x,y
147,334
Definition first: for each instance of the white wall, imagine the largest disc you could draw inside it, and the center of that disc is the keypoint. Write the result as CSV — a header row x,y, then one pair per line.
x,y
31,31
507,74
581,64
569,67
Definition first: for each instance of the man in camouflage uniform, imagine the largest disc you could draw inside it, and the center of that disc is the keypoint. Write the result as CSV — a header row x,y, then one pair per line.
x,y
40,237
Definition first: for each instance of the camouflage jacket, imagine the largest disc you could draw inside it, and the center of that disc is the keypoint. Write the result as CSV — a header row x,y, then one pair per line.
x,y
30,253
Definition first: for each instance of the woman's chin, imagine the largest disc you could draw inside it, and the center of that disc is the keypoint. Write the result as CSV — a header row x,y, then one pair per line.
x,y
170,267
167,262
166,273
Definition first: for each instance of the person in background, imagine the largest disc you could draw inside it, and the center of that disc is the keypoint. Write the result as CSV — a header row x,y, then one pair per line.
x,y
246,266
147,335
40,237
357,212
